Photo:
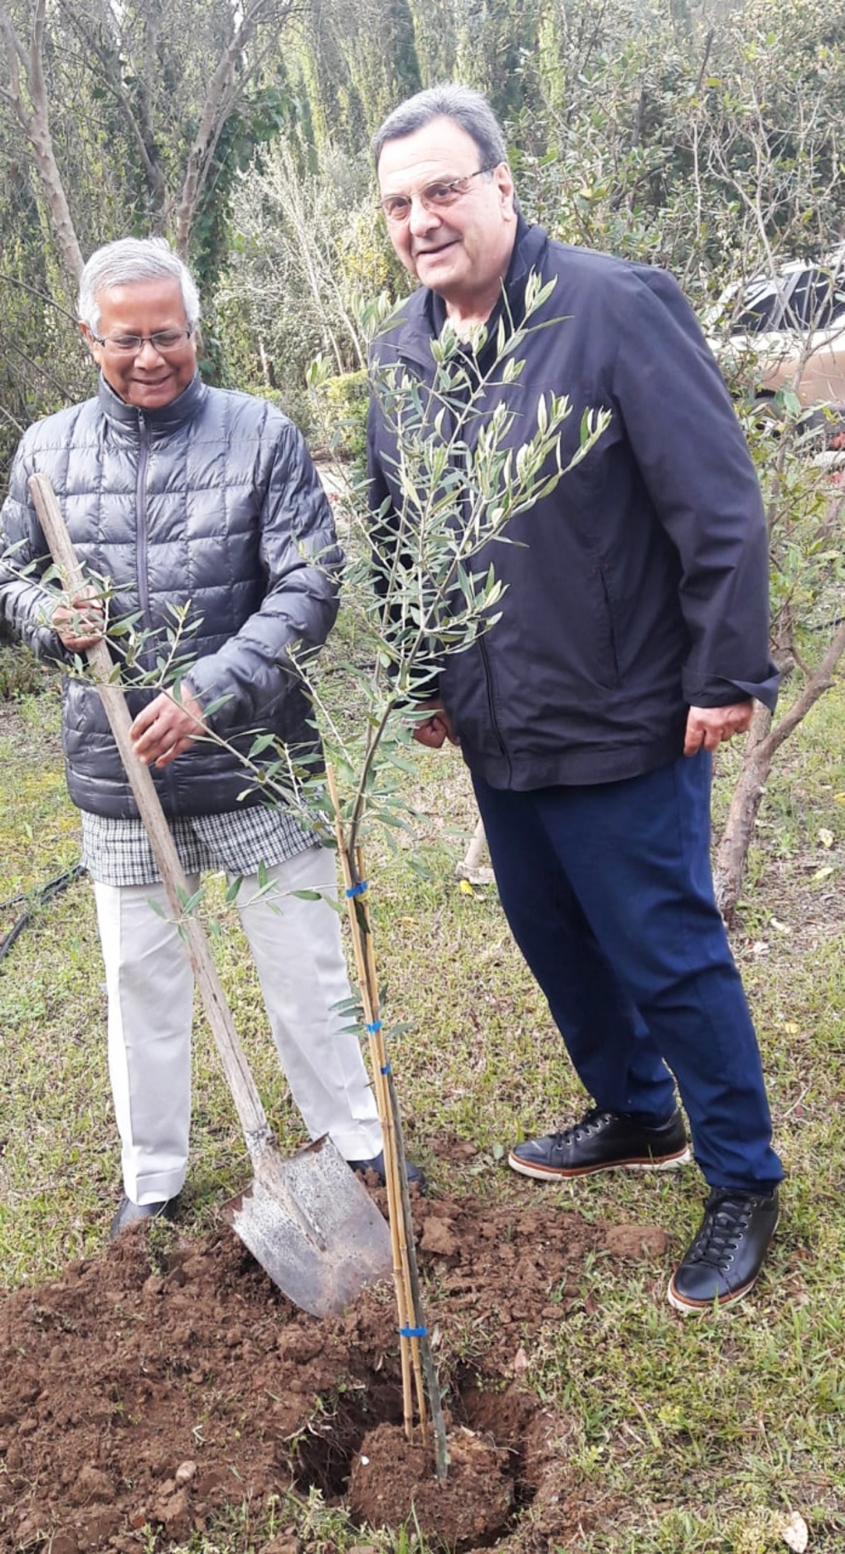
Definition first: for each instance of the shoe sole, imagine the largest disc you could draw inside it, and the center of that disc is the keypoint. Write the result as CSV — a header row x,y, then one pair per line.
x,y
697,1308
653,1163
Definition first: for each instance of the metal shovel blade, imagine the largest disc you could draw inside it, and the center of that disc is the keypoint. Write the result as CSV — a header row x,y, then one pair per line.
x,y
312,1226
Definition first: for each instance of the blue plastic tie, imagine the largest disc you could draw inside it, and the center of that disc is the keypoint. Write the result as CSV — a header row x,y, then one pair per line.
x,y
413,1332
376,1026
357,890
386,1069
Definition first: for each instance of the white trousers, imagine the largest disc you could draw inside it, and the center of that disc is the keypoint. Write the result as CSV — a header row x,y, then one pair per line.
x,y
296,945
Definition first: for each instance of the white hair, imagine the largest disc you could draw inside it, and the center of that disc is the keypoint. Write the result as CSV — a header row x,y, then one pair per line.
x,y
133,259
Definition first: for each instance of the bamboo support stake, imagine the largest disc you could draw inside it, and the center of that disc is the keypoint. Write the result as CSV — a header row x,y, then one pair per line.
x,y
423,1344
402,1199
392,1175
391,1171
409,1298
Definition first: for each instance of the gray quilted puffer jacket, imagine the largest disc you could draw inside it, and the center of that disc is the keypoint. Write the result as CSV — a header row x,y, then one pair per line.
x,y
212,502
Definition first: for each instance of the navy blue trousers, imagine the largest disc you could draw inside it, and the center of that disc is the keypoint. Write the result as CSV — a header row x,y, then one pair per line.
x,y
609,894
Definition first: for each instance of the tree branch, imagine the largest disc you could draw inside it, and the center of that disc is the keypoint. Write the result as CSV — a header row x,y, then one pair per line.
x,y
35,122
820,681
139,123
216,109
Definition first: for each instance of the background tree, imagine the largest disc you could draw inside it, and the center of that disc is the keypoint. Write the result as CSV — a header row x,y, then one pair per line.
x,y
111,126
704,136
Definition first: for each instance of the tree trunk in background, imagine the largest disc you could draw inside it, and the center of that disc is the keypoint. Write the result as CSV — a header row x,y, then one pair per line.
x,y
763,741
26,65
732,851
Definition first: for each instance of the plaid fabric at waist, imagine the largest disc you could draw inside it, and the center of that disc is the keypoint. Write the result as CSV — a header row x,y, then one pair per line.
x,y
118,852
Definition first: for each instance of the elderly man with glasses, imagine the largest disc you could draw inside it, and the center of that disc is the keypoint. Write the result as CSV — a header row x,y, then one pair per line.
x,y
628,644
197,503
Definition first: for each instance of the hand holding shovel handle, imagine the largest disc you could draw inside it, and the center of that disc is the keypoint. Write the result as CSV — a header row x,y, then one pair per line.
x,y
247,1100
308,1221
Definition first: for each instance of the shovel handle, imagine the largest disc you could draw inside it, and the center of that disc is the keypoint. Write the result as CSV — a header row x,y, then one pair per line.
x,y
241,1083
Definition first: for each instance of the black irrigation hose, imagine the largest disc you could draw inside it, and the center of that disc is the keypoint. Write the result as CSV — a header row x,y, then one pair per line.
x,y
827,625
37,899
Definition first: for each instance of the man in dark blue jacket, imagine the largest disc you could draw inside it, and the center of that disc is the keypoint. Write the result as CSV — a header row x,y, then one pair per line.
x,y
632,638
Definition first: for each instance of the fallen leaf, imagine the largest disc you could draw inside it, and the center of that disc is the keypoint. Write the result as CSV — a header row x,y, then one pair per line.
x,y
781,927
822,874
466,888
793,1529
825,837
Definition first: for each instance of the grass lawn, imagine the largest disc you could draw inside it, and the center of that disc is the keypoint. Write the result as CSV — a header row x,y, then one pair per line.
x,y
699,1433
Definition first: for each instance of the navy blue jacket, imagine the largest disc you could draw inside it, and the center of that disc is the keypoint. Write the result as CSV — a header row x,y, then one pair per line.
x,y
639,587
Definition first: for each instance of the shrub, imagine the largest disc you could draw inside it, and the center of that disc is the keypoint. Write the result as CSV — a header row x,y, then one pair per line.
x,y
342,412
21,674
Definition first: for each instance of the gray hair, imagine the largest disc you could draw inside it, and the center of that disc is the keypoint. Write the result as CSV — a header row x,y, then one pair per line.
x,y
128,260
464,106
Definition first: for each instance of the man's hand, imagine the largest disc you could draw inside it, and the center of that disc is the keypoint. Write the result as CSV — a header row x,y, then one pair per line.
x,y
708,726
436,727
166,728
81,623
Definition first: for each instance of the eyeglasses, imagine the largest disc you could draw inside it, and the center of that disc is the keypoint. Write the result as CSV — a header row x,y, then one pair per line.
x,y
434,197
163,340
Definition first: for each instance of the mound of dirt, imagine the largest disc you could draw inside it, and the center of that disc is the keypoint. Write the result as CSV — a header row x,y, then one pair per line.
x,y
155,1385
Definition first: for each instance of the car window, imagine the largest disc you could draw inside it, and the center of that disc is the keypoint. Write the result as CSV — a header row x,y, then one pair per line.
x,y
807,297
763,308
816,301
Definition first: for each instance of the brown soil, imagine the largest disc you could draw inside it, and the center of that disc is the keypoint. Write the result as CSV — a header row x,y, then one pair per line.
x,y
160,1383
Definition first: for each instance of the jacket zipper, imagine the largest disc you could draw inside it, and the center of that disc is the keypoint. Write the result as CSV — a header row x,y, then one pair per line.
x,y
149,655
141,527
494,722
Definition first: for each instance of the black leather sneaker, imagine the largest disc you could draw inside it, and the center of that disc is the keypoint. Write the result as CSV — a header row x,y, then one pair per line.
x,y
130,1213
603,1141
726,1256
414,1173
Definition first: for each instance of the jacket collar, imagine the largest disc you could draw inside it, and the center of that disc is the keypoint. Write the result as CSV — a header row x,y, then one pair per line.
x,y
158,422
528,255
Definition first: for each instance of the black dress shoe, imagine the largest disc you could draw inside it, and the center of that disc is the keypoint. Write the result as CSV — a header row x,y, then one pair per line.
x,y
415,1174
130,1213
603,1141
726,1256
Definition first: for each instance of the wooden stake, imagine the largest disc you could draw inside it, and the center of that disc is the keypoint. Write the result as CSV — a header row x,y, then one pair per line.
x,y
403,1207
359,925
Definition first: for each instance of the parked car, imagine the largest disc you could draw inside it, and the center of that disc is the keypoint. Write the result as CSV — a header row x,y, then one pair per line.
x,y
794,326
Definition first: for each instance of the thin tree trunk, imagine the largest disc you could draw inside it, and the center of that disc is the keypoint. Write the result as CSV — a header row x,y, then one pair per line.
x,y
732,851
136,109
763,741
219,101
35,122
